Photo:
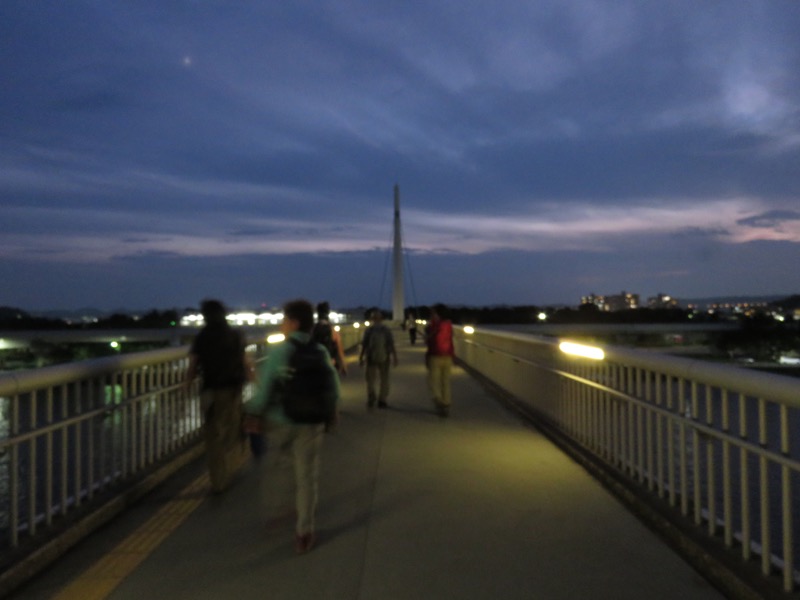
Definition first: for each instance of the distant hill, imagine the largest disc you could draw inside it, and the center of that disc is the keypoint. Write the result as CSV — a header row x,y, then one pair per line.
x,y
771,299
89,312
787,301
75,314
790,303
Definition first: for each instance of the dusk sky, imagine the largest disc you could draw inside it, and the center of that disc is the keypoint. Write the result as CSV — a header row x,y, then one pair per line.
x,y
157,152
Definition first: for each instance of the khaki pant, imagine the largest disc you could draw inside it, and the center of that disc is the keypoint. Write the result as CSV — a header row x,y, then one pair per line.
x,y
223,434
378,373
439,368
292,465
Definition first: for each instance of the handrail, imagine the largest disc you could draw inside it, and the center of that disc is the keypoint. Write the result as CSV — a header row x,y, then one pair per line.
x,y
18,382
778,387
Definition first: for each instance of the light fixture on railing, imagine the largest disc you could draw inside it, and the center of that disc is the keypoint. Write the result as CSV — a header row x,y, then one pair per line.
x,y
275,338
582,350
469,329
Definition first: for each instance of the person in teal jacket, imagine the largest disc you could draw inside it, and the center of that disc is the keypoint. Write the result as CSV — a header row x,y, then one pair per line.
x,y
294,448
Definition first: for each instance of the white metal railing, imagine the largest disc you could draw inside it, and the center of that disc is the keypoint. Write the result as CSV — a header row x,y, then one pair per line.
x,y
73,431
714,441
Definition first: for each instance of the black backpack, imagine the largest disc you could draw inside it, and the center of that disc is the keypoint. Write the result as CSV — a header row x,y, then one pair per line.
x,y
307,393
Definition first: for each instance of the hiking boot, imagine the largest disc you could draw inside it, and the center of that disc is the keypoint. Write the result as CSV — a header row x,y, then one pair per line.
x,y
303,543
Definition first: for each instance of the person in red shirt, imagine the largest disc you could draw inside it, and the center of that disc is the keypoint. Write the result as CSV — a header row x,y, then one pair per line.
x,y
439,358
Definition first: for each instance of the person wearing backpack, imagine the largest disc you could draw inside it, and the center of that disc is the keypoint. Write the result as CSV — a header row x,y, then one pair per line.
x,y
377,349
297,398
325,334
439,358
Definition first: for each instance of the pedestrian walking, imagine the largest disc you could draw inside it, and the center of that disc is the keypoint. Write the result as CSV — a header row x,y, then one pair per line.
x,y
218,355
411,327
297,397
325,334
379,353
439,358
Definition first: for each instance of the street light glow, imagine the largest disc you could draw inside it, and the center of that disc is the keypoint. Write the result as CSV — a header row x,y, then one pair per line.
x,y
581,350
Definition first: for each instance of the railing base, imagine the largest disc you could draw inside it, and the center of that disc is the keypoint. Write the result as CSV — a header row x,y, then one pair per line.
x,y
30,559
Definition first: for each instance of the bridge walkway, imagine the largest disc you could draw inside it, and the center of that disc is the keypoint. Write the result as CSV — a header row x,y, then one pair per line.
x,y
412,506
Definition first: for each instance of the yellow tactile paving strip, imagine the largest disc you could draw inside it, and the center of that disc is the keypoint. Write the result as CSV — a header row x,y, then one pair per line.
x,y
99,580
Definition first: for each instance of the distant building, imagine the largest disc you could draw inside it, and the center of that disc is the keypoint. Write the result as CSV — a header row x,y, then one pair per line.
x,y
746,308
662,301
622,301
598,301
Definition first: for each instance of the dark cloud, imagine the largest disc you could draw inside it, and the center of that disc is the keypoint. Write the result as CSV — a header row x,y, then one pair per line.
x,y
633,142
771,219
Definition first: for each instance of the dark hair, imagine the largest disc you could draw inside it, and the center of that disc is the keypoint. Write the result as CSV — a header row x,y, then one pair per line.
x,y
440,309
323,310
213,311
300,311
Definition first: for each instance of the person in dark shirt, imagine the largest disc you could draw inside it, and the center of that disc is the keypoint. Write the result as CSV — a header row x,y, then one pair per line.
x,y
218,356
325,334
379,353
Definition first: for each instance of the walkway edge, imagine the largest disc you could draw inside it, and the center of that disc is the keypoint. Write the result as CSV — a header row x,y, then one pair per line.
x,y
737,579
38,560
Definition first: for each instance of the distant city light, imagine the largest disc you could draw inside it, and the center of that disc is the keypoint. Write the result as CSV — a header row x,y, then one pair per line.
x,y
237,319
190,320
469,330
242,318
114,345
582,350
356,325
542,316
